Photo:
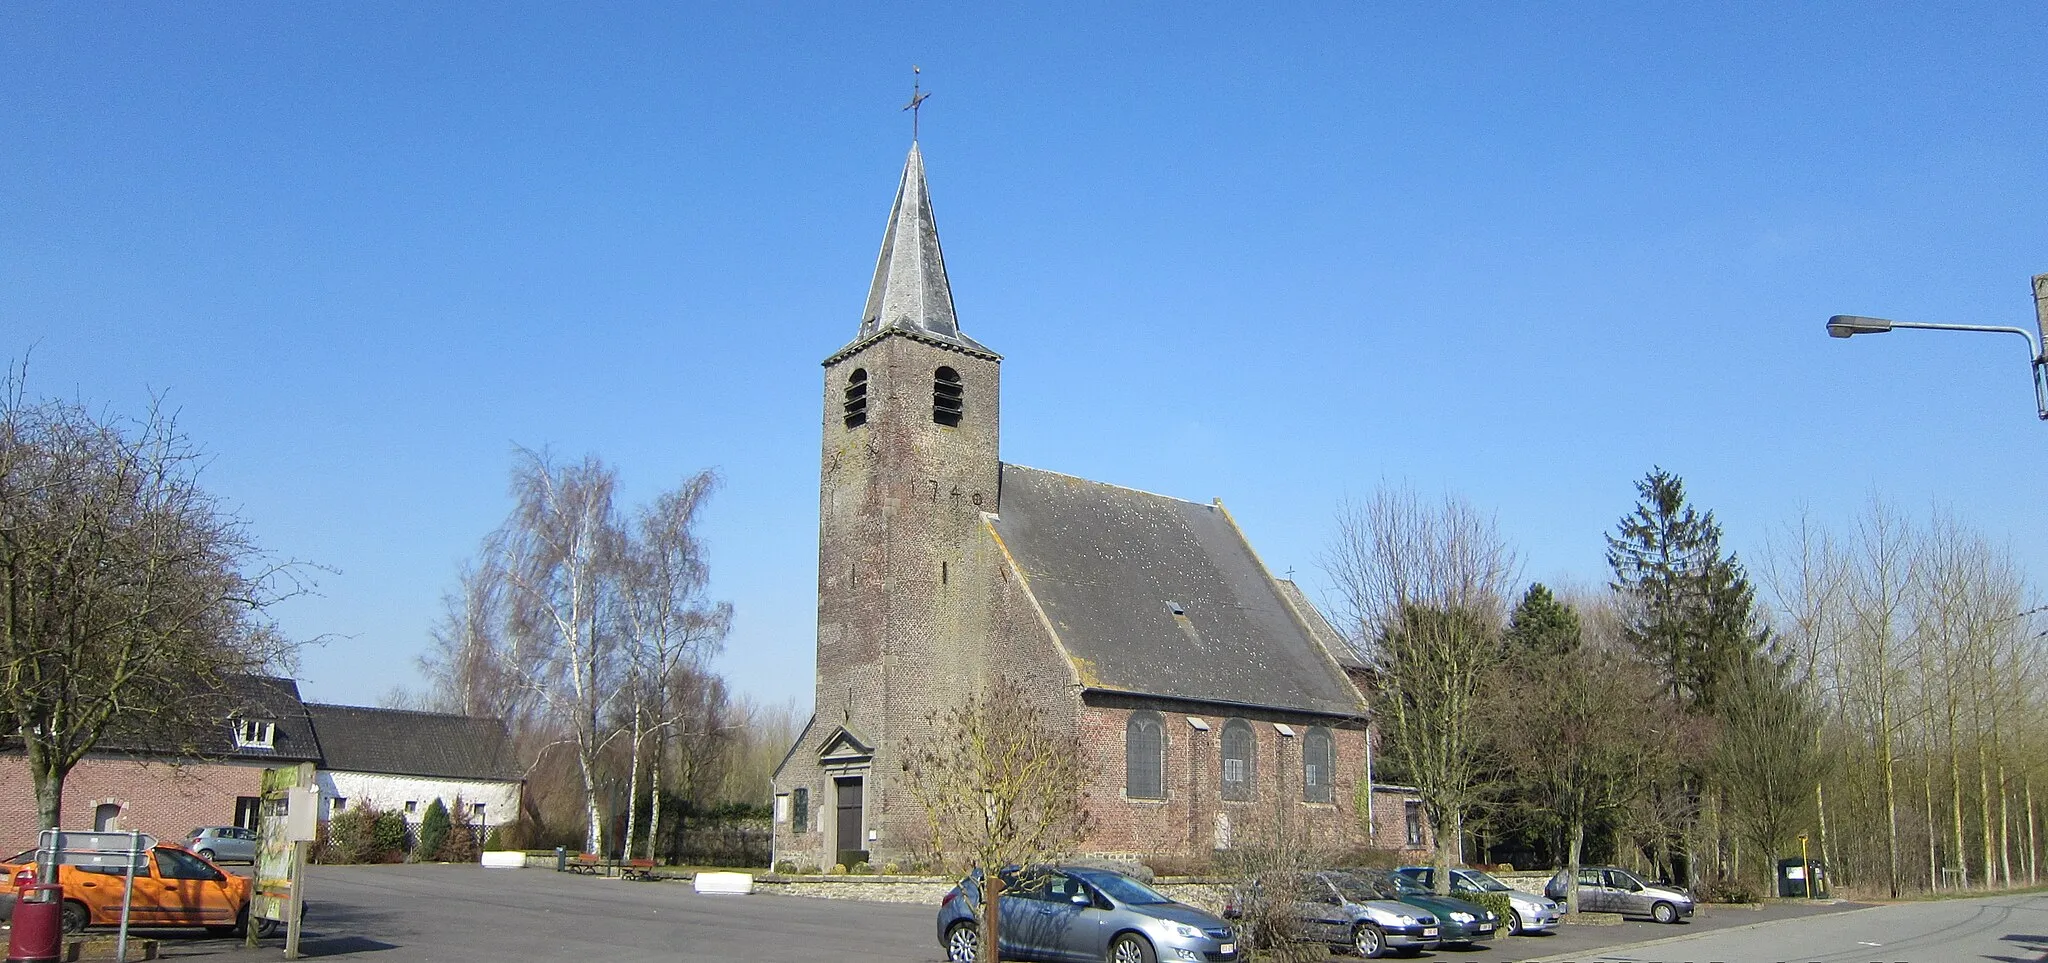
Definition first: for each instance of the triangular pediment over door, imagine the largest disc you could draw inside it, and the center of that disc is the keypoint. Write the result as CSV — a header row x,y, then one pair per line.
x,y
845,750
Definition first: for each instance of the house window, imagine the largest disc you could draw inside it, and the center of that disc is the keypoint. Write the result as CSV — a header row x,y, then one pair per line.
x,y
1144,756
856,406
412,805
476,811
340,803
800,806
254,733
946,398
1238,746
1318,763
1415,824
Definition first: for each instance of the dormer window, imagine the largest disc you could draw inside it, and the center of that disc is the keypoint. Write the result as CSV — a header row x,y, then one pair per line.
x,y
856,406
254,733
946,398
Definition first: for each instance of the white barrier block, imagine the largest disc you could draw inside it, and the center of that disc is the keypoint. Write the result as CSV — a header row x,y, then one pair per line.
x,y
734,883
512,859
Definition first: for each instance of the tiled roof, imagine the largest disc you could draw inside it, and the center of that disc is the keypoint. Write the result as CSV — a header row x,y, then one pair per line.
x,y
1319,626
408,743
261,698
1109,566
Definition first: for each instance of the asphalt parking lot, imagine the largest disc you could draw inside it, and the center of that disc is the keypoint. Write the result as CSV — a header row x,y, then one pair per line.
x,y
395,914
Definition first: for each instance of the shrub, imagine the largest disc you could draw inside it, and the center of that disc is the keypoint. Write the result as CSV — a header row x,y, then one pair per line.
x,y
352,836
1496,901
1725,890
1176,865
807,869
892,869
861,869
460,846
1365,857
433,830
388,838
838,869
787,867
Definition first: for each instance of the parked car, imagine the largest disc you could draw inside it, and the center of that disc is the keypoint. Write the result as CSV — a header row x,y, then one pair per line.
x,y
223,843
1463,923
1363,915
1073,913
178,889
1608,889
1527,913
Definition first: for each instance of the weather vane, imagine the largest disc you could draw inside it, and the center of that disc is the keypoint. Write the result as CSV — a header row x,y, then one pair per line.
x,y
917,96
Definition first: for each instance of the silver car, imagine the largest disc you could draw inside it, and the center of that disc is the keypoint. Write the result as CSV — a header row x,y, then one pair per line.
x,y
1608,889
223,843
1071,913
1527,912
1362,913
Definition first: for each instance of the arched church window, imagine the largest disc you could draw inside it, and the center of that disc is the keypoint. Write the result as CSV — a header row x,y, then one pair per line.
x,y
947,402
1318,764
857,398
1145,756
1238,747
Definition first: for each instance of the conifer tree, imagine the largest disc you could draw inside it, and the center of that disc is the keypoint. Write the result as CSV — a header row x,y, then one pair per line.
x,y
1542,625
433,829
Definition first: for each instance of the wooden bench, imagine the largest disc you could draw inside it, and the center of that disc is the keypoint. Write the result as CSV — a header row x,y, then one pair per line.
x,y
589,864
642,869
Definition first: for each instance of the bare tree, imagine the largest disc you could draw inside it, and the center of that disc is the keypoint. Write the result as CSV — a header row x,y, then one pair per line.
x,y
129,597
560,553
673,628
1593,769
1423,589
1000,785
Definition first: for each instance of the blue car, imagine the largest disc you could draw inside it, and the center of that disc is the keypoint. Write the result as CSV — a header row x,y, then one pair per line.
x,y
1074,914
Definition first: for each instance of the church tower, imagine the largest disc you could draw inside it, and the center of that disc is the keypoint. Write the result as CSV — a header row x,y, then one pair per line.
x,y
909,464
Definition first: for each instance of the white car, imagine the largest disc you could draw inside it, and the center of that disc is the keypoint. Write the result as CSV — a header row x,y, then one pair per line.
x,y
1528,913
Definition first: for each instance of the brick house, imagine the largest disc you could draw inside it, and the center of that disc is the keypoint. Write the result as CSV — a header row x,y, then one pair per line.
x,y
1210,695
166,783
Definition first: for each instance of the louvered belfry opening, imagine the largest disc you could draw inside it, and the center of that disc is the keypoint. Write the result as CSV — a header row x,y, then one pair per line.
x,y
947,402
856,406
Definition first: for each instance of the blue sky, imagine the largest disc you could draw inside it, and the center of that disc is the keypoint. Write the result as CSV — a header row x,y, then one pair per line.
x,y
1268,254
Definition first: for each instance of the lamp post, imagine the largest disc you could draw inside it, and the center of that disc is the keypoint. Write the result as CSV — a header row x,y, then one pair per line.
x,y
1849,325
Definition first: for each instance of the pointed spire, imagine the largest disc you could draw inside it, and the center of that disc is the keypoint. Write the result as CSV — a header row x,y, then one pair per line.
x,y
910,292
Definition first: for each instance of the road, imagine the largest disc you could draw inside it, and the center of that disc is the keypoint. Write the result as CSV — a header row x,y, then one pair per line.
x,y
466,914
1991,929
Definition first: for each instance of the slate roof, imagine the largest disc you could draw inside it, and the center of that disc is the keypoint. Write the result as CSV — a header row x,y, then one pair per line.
x,y
1105,563
407,743
910,293
1319,626
253,697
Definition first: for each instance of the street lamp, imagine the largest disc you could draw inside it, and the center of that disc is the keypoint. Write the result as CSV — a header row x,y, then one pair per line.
x,y
1850,325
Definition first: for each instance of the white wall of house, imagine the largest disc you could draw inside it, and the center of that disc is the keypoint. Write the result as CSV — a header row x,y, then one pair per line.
x,y
500,799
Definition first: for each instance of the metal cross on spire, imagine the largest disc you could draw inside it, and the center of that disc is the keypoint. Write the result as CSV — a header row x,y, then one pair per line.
x,y
917,97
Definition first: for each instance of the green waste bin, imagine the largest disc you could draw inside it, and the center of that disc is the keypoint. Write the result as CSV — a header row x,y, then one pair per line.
x,y
1801,878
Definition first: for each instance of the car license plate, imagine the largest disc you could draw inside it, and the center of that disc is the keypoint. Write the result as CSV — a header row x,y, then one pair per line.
x,y
1228,948
1486,928
1429,931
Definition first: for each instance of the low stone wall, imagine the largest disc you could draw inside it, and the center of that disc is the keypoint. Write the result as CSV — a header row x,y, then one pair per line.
x,y
1207,893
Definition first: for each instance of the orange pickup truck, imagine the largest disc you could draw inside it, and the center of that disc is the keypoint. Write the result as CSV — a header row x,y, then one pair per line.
x,y
180,889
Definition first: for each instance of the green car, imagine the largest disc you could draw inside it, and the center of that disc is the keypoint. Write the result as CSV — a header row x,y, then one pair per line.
x,y
1463,923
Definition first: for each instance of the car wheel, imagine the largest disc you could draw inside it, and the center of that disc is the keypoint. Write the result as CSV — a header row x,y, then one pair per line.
x,y
1664,913
963,942
1368,941
1514,922
266,929
76,916
1131,948
206,854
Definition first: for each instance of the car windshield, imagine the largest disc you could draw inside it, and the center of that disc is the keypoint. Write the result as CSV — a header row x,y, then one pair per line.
x,y
1124,889
1360,889
1482,882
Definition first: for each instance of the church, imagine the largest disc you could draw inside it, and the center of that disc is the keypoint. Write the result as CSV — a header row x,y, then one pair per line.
x,y
1206,692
